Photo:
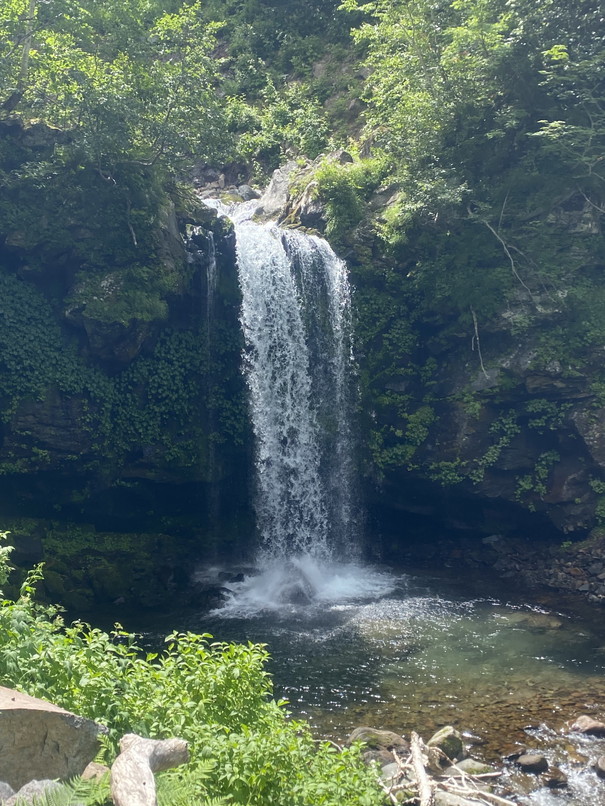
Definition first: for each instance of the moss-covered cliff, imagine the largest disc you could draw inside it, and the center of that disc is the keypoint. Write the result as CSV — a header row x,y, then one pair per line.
x,y
121,398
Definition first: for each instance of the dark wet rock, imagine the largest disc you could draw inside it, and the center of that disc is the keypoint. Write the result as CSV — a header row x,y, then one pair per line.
x,y
310,210
381,757
600,767
513,752
532,762
588,726
449,741
227,576
379,739
247,193
554,778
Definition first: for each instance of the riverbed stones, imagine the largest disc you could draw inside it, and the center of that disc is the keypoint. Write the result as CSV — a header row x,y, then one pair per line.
x,y
449,741
600,767
449,799
379,739
554,778
532,762
381,757
469,766
588,726
39,740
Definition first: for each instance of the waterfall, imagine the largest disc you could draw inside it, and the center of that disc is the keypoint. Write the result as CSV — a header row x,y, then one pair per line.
x,y
296,321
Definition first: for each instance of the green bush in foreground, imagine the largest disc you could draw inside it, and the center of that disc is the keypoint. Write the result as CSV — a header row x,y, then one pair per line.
x,y
214,695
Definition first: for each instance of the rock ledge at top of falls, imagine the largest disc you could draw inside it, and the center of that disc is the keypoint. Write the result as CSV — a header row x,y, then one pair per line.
x,y
39,740
274,199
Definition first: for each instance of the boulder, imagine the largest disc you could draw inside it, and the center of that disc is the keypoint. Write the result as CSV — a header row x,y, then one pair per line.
x,y
6,791
588,726
600,767
470,766
32,792
95,771
532,762
275,197
247,193
379,739
39,740
381,757
449,741
311,211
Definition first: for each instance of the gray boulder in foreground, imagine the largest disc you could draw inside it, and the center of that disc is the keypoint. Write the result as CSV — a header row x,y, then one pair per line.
x,y
32,792
39,740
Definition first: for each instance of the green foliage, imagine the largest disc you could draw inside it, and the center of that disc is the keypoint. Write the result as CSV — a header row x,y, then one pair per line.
x,y
35,355
214,695
447,473
504,428
149,406
546,415
535,484
344,188
395,446
133,82
282,123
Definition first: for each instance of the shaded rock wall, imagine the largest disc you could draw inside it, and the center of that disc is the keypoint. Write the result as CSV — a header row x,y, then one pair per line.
x,y
482,404
121,398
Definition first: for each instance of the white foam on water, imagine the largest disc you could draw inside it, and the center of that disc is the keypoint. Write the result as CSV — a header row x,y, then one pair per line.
x,y
304,584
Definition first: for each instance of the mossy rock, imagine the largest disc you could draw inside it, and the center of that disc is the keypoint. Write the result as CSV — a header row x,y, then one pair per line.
x,y
449,741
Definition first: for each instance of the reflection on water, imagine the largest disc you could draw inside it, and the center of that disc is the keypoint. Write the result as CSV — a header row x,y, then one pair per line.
x,y
409,653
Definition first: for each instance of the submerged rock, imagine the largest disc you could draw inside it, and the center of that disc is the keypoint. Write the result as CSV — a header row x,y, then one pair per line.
x,y
555,778
469,766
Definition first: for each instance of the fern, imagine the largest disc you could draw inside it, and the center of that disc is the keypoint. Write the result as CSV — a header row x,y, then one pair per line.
x,y
183,788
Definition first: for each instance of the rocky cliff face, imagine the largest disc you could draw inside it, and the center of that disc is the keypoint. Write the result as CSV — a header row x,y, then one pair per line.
x,y
483,404
122,404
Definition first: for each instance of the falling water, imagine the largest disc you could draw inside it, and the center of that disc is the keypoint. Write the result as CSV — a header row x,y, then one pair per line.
x,y
296,320
295,316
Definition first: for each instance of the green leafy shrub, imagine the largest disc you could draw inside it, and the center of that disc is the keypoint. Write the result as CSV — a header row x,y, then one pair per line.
x,y
214,695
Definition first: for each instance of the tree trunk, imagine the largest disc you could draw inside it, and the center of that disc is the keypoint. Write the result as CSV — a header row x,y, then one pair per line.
x,y
132,781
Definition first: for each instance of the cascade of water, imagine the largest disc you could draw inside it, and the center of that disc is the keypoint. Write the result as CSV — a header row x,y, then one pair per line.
x,y
296,320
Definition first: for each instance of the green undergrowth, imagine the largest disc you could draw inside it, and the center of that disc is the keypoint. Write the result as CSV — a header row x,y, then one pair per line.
x,y
217,696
